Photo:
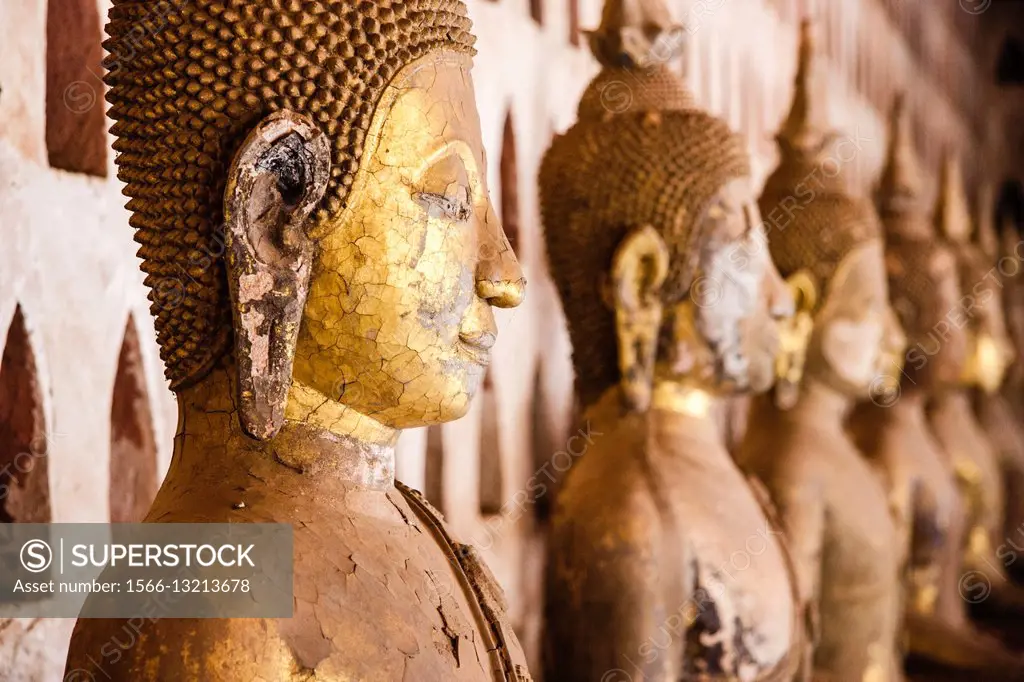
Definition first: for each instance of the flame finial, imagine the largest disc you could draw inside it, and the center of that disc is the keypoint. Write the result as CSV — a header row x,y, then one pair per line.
x,y
952,216
806,127
635,33
986,235
900,185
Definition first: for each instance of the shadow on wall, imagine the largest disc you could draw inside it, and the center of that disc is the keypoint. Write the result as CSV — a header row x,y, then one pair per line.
x,y
133,468
24,477
76,137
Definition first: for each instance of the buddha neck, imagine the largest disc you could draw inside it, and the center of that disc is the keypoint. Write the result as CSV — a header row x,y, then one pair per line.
x,y
954,400
909,408
818,405
675,408
822,404
322,445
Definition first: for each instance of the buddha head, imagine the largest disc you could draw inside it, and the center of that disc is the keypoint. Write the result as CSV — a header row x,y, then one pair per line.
x,y
828,244
308,186
989,352
924,282
652,231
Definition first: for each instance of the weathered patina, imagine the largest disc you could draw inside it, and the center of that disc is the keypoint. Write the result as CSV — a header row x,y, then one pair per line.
x,y
348,295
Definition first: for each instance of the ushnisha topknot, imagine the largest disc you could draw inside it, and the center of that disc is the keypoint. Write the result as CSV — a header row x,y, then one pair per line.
x,y
811,219
657,161
986,236
199,76
952,214
899,195
634,44
952,218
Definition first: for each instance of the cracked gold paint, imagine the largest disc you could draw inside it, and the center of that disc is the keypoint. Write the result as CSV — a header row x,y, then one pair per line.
x,y
399,321
396,331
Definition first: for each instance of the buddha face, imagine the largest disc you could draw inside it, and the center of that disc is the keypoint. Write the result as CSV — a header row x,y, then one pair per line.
x,y
937,350
735,300
857,335
398,324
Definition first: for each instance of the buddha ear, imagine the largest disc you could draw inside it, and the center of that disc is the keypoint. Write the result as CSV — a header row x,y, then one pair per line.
x,y
794,337
639,268
276,180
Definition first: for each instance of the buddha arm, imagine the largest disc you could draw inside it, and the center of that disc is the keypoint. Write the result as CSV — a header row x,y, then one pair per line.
x,y
613,611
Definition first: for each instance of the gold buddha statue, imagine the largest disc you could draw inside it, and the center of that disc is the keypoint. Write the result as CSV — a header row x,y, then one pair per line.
x,y
893,431
1012,393
970,453
833,504
349,296
995,411
663,562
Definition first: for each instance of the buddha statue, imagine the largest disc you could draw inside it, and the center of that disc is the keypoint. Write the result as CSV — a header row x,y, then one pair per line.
x,y
832,503
664,564
893,431
970,453
349,296
1012,392
994,409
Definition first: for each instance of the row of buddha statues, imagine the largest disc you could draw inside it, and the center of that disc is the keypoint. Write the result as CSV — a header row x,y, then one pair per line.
x,y
333,149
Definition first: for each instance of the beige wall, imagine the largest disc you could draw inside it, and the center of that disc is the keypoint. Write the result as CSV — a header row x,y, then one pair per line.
x,y
67,257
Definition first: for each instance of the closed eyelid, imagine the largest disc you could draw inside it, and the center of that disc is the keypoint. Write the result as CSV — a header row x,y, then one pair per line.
x,y
453,162
453,208
445,184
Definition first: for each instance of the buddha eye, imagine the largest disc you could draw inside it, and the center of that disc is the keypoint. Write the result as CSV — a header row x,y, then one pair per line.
x,y
443,206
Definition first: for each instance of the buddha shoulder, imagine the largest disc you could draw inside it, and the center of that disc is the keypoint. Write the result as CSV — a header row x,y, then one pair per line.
x,y
151,650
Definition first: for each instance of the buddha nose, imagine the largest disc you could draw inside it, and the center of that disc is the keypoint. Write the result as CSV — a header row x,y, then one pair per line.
x,y
499,279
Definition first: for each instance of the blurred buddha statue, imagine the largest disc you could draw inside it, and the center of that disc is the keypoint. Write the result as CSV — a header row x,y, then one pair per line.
x,y
892,429
663,563
338,144
1011,270
832,503
996,413
971,454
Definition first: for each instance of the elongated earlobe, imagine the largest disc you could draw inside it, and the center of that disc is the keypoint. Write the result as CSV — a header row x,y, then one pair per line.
x,y
276,180
794,337
639,268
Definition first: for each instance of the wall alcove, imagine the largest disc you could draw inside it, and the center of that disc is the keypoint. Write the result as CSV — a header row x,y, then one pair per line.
x,y
491,474
24,465
76,137
133,466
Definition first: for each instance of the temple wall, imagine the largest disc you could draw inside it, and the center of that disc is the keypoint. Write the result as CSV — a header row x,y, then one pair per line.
x,y
67,262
